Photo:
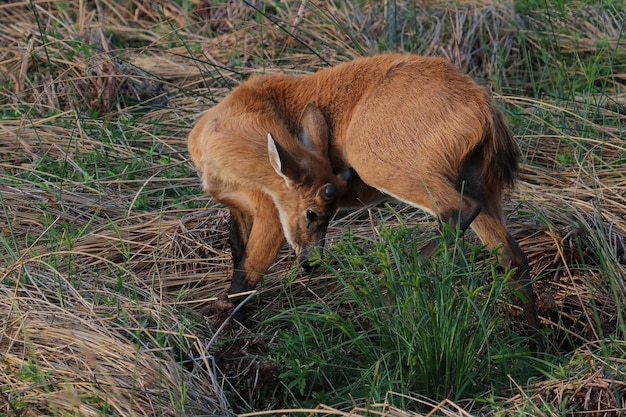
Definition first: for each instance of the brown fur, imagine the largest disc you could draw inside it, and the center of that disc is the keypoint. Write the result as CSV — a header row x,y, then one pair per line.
x,y
410,127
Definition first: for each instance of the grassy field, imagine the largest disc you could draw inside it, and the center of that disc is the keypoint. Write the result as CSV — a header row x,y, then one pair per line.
x,y
113,260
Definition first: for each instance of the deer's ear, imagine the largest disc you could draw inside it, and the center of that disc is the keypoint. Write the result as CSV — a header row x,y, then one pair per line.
x,y
283,162
313,130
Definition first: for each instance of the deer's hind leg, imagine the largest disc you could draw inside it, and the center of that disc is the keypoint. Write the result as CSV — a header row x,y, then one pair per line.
x,y
490,227
457,214
486,219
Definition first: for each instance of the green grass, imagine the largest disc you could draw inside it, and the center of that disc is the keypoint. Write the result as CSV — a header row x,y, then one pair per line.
x,y
403,325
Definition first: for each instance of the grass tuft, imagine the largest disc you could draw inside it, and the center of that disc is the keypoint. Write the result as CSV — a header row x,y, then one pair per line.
x,y
404,325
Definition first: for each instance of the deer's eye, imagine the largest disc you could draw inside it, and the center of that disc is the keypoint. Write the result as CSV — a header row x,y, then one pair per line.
x,y
311,215
329,192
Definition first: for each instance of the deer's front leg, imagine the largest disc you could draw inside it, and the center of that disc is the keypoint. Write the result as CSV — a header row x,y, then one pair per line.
x,y
263,244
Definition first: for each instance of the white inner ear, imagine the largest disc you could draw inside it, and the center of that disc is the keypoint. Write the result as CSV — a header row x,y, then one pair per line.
x,y
313,130
275,157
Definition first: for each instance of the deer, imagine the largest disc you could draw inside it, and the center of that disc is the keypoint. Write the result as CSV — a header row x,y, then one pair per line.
x,y
285,152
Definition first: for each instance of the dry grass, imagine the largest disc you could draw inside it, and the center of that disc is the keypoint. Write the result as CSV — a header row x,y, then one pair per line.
x,y
95,291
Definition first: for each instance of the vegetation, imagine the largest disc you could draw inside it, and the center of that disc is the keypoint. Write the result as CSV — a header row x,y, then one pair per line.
x,y
113,261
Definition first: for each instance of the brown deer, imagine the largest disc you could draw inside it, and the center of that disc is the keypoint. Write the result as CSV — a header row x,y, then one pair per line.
x,y
284,152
